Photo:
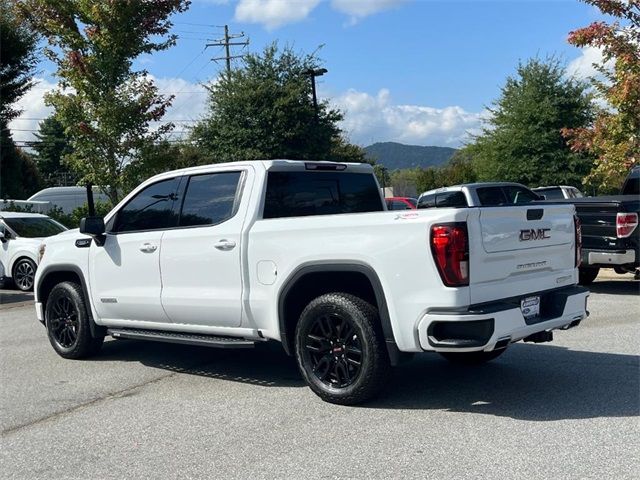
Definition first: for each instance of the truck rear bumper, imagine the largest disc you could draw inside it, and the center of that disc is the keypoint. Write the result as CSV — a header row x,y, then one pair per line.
x,y
604,258
483,327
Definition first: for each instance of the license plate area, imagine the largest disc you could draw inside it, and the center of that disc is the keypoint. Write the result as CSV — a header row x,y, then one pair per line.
x,y
530,307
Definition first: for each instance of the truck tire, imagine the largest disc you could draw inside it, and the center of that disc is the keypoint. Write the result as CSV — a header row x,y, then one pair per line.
x,y
67,321
24,273
472,358
586,275
340,349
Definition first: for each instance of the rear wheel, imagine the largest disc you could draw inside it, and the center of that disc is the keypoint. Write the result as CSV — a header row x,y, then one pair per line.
x,y
472,358
339,350
586,276
67,321
24,273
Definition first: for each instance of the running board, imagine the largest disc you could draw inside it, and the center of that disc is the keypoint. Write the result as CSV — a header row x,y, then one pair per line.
x,y
182,338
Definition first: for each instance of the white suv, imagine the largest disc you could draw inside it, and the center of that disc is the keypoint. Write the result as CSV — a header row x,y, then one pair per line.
x,y
305,253
21,235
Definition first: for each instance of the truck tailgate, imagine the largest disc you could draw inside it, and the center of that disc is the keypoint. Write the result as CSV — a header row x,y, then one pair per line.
x,y
520,250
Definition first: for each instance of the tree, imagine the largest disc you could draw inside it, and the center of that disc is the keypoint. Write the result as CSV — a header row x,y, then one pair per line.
x,y
263,110
52,146
18,53
18,174
522,141
104,105
614,137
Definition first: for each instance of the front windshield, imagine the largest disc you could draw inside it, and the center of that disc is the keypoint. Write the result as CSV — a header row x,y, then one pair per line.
x,y
34,227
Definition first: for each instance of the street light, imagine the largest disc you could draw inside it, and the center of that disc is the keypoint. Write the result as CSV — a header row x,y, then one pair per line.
x,y
318,72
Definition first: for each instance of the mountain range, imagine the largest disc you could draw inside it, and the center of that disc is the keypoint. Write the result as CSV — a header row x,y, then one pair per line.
x,y
396,156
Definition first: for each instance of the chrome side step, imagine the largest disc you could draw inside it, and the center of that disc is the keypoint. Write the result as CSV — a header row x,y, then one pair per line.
x,y
182,338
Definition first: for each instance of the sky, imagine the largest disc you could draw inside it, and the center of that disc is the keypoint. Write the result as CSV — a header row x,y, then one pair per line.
x,y
419,72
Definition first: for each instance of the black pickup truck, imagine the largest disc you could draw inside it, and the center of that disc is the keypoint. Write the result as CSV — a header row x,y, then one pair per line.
x,y
610,233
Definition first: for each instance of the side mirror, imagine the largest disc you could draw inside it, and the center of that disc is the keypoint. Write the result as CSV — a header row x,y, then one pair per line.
x,y
3,234
93,226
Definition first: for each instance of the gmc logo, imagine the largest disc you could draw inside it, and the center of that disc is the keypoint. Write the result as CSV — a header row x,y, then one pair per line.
x,y
534,234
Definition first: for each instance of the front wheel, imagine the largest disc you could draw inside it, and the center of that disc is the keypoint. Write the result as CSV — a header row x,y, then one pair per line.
x,y
340,350
472,358
24,273
67,321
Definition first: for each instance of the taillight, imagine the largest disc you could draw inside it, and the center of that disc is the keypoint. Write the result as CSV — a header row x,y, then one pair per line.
x,y
450,247
626,223
578,230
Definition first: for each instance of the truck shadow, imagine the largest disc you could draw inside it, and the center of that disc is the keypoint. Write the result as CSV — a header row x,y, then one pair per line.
x,y
266,365
615,287
529,382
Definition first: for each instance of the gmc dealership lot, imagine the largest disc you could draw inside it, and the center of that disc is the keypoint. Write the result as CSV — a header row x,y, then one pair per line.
x,y
567,409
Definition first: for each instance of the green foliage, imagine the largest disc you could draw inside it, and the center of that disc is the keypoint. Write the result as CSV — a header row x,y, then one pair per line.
x,y
52,146
19,176
614,136
104,106
263,110
522,141
17,51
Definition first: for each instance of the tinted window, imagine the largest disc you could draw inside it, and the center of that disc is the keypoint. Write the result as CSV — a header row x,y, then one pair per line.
x,y
451,200
491,196
151,209
296,194
551,194
413,201
518,195
397,205
34,227
508,195
209,199
427,201
632,186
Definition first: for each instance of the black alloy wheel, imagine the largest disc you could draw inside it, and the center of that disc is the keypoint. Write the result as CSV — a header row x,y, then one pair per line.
x,y
334,350
340,349
63,319
69,324
24,274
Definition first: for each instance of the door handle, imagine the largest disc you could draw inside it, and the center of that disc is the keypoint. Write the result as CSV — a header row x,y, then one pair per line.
x,y
148,248
225,245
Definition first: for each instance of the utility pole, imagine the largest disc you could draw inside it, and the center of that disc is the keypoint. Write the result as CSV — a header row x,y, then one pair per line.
x,y
227,43
312,75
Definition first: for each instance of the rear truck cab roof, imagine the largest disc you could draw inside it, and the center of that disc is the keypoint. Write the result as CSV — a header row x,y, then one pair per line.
x,y
288,233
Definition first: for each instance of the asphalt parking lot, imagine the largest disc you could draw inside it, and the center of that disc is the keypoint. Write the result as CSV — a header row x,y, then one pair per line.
x,y
567,409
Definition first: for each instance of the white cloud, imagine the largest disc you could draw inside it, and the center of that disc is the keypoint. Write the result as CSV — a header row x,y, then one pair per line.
x,y
188,105
583,66
274,13
33,109
363,8
370,119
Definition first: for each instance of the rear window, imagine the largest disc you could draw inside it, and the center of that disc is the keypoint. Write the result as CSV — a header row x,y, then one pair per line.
x,y
551,193
299,194
632,186
508,195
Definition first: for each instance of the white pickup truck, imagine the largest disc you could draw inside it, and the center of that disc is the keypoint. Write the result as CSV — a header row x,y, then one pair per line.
x,y
305,253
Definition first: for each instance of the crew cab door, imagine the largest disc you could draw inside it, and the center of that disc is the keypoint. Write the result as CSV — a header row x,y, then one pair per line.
x,y
125,271
201,258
